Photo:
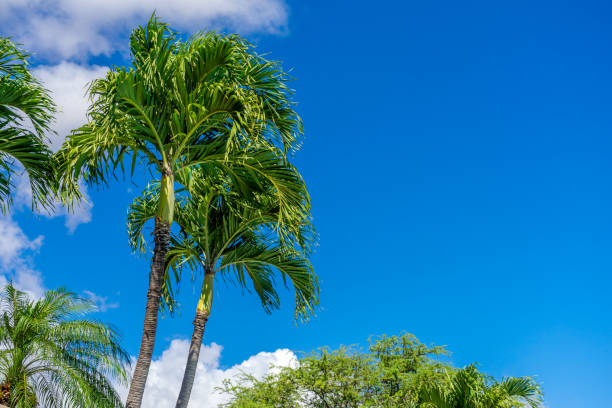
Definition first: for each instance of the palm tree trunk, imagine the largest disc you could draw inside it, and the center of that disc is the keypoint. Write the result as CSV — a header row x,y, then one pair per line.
x,y
161,235
199,323
139,379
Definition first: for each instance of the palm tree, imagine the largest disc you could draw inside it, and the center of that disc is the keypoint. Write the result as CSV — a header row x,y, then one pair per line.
x,y
180,106
52,356
26,112
223,233
468,388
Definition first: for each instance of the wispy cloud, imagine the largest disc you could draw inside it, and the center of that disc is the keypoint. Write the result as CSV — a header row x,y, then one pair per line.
x,y
16,252
101,302
79,214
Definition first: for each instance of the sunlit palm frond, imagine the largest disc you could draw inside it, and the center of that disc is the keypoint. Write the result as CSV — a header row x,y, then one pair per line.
x,y
22,96
235,230
142,210
523,390
434,396
26,114
469,388
177,100
259,261
53,356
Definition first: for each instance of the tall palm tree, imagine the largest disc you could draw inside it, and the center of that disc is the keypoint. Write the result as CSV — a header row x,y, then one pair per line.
x,y
52,356
471,389
181,105
26,112
223,233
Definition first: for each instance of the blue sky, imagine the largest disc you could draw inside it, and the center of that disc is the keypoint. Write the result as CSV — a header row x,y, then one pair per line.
x,y
458,158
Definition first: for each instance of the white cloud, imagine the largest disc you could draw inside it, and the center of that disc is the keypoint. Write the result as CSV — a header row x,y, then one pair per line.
x,y
64,30
13,242
16,250
101,302
69,29
67,82
166,373
29,281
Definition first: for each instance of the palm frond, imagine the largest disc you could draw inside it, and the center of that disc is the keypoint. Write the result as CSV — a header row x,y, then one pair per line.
x,y
469,388
523,389
259,262
177,101
26,114
21,94
54,356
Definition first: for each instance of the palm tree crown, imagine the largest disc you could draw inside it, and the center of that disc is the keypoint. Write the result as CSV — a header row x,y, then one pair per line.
x,y
52,356
181,104
235,233
468,388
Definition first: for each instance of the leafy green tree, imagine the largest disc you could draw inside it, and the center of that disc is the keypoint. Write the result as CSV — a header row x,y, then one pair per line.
x,y
469,388
182,105
403,366
223,233
397,371
391,374
51,355
26,112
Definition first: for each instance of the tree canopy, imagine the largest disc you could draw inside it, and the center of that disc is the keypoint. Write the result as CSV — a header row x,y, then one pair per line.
x,y
395,371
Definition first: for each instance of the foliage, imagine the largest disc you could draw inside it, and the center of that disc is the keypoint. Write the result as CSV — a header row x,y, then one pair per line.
x,y
52,356
180,105
469,388
390,374
26,113
396,371
209,101
233,231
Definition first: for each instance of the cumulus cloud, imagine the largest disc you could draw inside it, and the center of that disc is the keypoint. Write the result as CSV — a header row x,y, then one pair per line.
x,y
166,373
28,280
16,251
14,242
69,29
68,82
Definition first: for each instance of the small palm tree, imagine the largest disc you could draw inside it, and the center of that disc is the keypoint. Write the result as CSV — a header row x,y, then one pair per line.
x,y
224,233
52,356
26,112
180,106
468,388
